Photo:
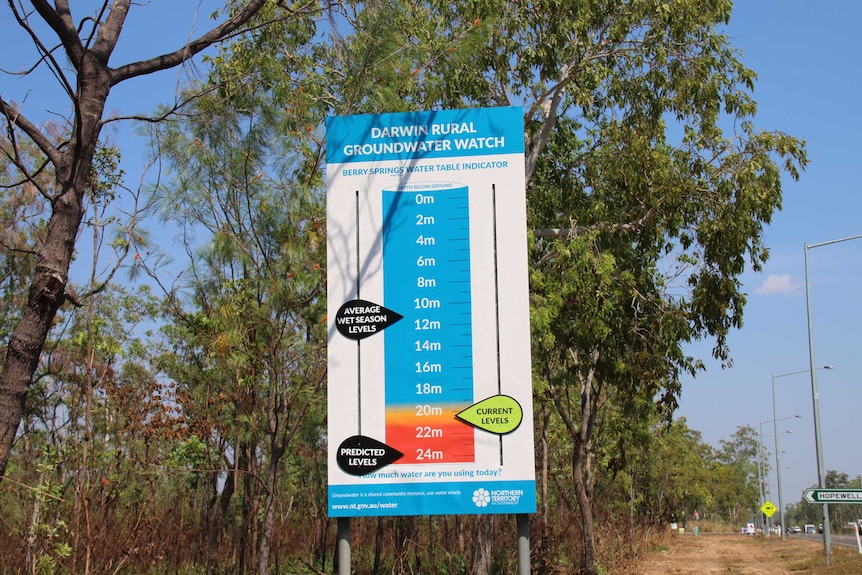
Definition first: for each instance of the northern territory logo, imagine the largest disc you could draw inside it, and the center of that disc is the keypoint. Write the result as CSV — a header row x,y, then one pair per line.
x,y
481,497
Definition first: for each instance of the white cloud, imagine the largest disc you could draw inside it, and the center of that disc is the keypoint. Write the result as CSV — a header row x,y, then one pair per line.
x,y
782,284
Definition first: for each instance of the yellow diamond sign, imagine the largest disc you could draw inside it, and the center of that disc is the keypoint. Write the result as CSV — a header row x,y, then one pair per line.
x,y
768,509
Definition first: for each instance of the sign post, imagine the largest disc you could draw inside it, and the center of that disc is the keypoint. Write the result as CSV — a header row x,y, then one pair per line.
x,y
430,397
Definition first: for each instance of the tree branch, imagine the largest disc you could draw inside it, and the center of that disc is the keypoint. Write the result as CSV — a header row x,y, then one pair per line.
x,y
60,20
166,61
548,126
47,55
16,119
108,33
578,230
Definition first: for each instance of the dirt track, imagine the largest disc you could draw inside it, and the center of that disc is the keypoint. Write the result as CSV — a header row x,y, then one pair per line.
x,y
728,554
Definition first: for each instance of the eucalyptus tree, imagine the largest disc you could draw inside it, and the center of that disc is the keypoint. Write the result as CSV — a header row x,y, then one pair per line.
x,y
682,465
22,222
842,514
247,319
76,50
648,186
648,183
746,463
81,449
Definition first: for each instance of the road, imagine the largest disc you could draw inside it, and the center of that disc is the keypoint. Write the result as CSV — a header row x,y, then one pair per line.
x,y
839,539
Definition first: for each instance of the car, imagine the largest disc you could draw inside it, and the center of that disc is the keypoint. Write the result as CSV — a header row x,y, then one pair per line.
x,y
796,529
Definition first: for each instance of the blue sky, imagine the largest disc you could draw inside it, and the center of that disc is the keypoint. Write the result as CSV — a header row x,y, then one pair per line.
x,y
807,55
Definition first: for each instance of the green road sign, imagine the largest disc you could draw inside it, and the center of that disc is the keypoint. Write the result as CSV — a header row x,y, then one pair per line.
x,y
768,509
833,495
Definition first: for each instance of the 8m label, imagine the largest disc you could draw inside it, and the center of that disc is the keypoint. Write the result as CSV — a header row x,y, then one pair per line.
x,y
429,355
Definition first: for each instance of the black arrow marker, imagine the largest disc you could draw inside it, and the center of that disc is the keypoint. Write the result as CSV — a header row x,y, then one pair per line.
x,y
358,319
361,455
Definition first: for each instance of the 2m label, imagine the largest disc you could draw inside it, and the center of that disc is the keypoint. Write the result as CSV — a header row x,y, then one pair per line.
x,y
428,358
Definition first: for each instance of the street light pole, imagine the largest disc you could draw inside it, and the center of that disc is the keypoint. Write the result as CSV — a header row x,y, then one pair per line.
x,y
815,398
778,468
777,449
777,462
762,468
764,476
777,457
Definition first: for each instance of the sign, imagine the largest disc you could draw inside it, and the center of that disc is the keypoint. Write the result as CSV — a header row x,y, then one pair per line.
x,y
833,495
430,398
768,509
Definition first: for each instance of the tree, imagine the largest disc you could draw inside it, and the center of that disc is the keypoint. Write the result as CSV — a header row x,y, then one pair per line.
x,y
87,45
247,324
22,223
648,183
646,211
673,471
648,189
742,455
76,426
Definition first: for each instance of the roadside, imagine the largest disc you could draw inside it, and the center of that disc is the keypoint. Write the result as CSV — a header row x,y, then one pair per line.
x,y
742,555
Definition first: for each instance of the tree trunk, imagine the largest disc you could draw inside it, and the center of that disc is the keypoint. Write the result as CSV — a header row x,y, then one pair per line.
x,y
482,546
378,546
545,563
276,452
213,516
73,162
47,292
268,527
589,563
582,454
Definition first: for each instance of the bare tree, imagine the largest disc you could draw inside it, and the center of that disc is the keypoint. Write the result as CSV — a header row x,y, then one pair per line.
x,y
87,80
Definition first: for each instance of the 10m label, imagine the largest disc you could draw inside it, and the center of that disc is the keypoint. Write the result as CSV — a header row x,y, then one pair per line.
x,y
428,355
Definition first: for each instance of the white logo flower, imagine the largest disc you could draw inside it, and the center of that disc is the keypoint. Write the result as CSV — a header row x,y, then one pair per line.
x,y
481,497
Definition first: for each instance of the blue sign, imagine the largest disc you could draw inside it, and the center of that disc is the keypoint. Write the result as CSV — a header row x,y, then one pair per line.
x,y
428,312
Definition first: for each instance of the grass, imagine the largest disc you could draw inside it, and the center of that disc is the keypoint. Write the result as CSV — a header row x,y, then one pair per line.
x,y
844,562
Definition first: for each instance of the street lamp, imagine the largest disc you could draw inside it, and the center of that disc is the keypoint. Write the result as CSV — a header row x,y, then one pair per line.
x,y
777,450
778,476
815,398
777,459
762,481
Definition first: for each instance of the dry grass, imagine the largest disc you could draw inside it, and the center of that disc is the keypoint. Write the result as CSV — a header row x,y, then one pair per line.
x,y
714,554
844,562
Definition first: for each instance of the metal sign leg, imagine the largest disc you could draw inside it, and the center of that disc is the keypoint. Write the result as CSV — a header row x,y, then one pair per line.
x,y
342,546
